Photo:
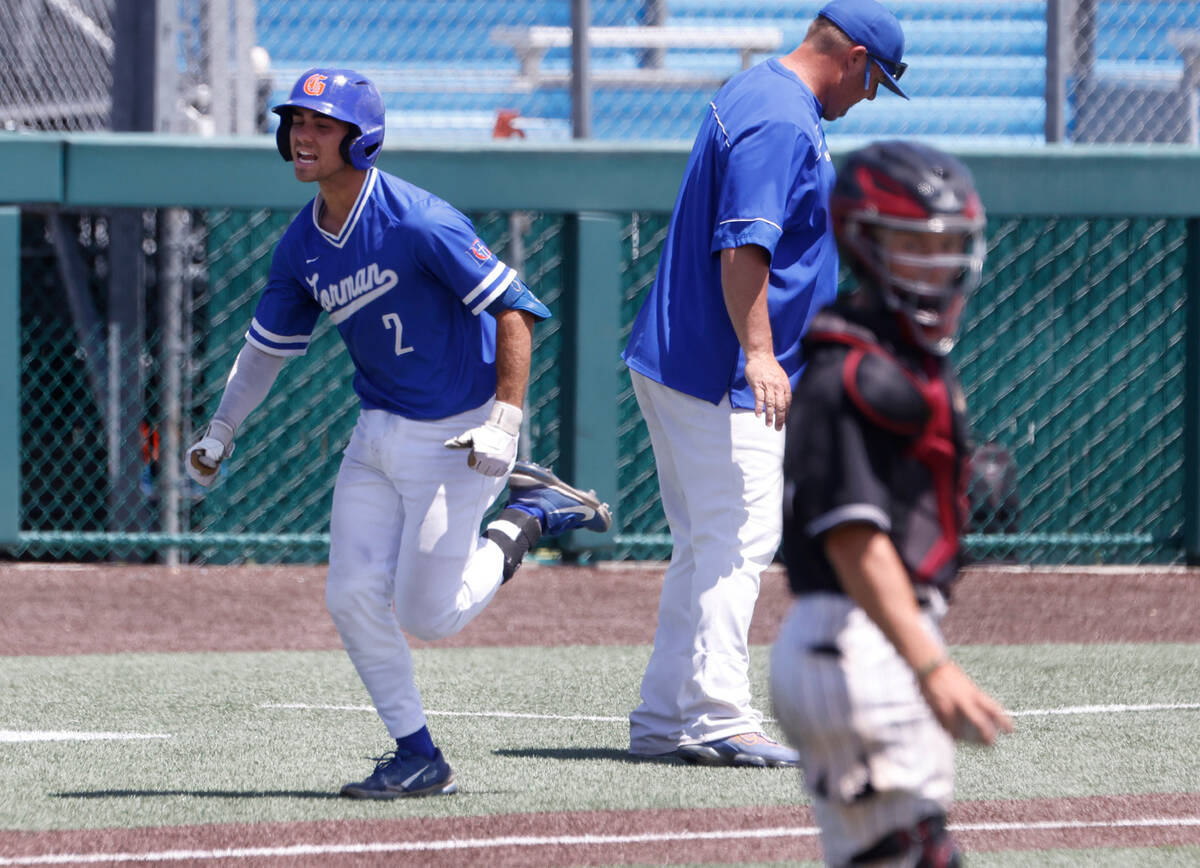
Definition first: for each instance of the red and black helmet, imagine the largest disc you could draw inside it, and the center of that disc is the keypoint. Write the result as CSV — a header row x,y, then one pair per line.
x,y
909,186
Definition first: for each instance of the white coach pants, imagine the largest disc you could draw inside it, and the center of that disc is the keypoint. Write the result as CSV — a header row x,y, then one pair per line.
x,y
720,474
405,550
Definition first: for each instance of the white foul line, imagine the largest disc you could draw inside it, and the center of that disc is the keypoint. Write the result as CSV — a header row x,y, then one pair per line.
x,y
14,735
1104,709
560,840
1074,824
506,714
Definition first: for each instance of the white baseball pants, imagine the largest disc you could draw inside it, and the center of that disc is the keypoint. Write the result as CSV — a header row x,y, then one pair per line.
x,y
873,755
720,474
405,551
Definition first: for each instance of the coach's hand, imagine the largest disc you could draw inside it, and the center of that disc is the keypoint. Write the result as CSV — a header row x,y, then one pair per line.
x,y
493,444
772,389
204,457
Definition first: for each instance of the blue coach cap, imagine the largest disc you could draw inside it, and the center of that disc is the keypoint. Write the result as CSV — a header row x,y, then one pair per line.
x,y
875,28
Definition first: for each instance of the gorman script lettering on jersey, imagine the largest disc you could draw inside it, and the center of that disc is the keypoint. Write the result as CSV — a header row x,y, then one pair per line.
x,y
351,292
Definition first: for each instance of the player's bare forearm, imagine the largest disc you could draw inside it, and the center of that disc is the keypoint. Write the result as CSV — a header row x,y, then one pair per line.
x,y
514,350
871,572
745,274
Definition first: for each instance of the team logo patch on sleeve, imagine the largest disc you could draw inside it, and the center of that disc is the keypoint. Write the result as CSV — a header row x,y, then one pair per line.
x,y
480,251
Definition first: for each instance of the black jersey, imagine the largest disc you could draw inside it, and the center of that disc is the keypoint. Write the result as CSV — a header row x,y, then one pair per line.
x,y
876,435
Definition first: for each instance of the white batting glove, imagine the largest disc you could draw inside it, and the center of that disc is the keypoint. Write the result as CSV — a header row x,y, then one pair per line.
x,y
204,457
493,444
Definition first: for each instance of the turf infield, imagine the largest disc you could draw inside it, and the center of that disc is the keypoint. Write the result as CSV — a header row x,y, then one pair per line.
x,y
271,736
244,744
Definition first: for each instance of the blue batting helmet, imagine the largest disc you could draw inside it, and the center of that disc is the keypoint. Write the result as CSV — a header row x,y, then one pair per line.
x,y
342,94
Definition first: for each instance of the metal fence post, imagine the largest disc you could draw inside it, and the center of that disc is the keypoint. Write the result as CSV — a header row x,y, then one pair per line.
x,y
654,13
1057,70
10,375
173,233
1191,403
581,69
133,105
591,313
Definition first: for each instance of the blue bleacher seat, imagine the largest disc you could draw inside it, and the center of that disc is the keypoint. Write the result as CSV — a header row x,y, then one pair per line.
x,y
1132,90
975,64
1137,31
977,67
906,10
948,116
985,36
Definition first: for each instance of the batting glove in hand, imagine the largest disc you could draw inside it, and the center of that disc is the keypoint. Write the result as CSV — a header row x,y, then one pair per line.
x,y
204,457
493,444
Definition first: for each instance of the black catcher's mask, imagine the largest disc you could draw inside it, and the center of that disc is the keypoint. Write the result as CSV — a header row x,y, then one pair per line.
x,y
900,185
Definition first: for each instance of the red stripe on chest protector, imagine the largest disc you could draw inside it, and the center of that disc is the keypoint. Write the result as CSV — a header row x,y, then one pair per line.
x,y
850,368
935,449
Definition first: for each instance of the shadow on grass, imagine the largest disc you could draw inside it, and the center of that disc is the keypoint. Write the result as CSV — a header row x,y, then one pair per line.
x,y
577,753
199,794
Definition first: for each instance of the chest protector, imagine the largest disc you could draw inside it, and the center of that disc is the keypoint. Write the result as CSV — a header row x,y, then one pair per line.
x,y
921,404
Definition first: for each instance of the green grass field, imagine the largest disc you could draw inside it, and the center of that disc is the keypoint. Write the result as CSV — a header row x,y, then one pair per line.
x,y
264,737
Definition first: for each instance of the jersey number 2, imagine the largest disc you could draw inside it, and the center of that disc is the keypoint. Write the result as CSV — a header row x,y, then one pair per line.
x,y
391,321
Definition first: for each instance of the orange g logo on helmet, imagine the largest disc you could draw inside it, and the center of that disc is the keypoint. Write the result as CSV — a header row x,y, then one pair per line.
x,y
314,85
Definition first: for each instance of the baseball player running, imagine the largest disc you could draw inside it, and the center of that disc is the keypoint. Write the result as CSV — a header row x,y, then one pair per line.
x,y
440,334
874,469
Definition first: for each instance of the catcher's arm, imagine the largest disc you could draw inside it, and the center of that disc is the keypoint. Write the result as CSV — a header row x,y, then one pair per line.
x,y
872,573
249,381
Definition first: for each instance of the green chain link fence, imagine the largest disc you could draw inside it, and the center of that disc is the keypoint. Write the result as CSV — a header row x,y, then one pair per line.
x,y
1073,357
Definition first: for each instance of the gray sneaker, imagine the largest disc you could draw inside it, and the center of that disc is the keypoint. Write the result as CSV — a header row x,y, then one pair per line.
x,y
747,749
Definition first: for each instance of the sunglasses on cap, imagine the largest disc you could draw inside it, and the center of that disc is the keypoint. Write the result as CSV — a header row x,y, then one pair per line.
x,y
895,69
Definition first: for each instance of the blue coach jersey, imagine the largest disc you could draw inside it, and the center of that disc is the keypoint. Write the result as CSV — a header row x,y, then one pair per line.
x,y
410,287
759,173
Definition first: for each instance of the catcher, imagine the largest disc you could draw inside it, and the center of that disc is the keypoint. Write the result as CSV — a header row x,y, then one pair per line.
x,y
875,468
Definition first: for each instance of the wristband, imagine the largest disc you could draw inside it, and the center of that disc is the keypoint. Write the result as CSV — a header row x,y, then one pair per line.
x,y
506,417
926,669
221,430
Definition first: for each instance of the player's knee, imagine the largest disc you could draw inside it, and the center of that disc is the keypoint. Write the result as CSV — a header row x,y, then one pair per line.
x,y
348,602
429,627
928,841
430,612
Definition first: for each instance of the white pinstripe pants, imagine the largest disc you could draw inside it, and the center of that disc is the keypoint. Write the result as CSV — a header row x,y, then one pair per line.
x,y
873,755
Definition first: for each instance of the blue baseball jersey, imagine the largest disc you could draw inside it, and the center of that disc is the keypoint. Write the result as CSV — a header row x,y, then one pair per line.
x,y
411,289
759,173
